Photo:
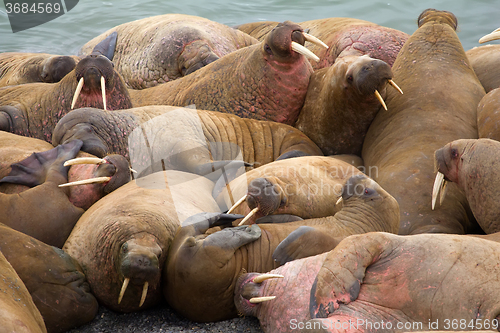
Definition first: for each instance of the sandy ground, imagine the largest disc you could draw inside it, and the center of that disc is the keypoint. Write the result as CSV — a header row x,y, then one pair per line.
x,y
161,319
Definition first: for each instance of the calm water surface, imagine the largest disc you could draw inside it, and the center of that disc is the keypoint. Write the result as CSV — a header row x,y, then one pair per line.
x,y
66,34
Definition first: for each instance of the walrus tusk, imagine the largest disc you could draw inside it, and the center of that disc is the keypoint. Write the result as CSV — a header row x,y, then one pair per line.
x,y
256,300
339,201
392,83
144,293
305,52
381,100
103,89
77,92
491,36
314,40
439,185
239,202
252,213
87,181
263,277
124,287
132,170
85,160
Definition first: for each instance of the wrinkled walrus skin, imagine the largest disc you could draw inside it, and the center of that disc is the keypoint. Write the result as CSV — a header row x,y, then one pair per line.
x,y
128,234
19,314
401,142
55,280
162,48
197,136
344,36
415,280
264,81
488,115
202,270
486,63
472,165
19,68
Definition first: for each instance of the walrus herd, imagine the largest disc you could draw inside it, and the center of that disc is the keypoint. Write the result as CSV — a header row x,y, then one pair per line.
x,y
331,175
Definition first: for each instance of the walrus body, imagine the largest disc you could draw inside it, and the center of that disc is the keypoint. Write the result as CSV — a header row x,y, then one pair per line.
x,y
162,48
401,142
486,60
19,68
19,313
127,235
55,280
488,115
202,270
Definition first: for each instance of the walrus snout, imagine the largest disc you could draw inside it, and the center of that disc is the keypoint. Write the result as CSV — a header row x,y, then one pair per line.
x,y
264,195
372,75
439,16
118,169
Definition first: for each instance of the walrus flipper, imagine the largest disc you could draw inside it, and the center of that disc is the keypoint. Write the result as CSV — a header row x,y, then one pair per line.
x,y
107,46
13,120
204,221
33,170
278,218
231,239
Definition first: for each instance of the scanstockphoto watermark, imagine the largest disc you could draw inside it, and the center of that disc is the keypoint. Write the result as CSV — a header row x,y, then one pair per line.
x,y
26,14
359,324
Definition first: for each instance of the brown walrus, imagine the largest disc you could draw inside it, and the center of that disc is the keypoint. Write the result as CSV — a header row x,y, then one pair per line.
x,y
122,241
488,115
55,280
19,68
264,81
166,47
344,36
202,270
19,313
401,142
485,61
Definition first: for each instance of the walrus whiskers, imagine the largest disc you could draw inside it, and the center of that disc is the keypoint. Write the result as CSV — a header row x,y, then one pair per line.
x,y
87,181
103,89
381,100
144,293
124,287
77,92
237,203
256,300
305,52
314,40
392,83
494,35
252,213
263,277
85,160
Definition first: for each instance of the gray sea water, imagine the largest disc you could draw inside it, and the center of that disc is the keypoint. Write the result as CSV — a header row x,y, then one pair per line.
x,y
66,34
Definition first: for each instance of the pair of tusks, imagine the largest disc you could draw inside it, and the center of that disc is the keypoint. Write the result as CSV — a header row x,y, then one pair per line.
x,y
306,52
249,215
379,97
79,89
88,160
491,36
124,287
439,188
259,279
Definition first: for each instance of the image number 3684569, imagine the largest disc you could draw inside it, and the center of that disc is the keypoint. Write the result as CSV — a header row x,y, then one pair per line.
x,y
26,14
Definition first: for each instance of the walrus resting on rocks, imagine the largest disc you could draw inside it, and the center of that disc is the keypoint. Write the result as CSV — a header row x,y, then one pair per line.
x,y
202,270
401,141
55,280
19,68
19,313
264,81
123,240
406,283
34,109
166,47
471,164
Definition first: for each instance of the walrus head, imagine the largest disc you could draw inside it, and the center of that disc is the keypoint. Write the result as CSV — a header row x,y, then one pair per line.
x,y
55,68
439,16
247,293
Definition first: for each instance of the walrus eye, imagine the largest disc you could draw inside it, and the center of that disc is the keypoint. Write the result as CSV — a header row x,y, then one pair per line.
x,y
350,78
268,49
124,247
454,153
369,191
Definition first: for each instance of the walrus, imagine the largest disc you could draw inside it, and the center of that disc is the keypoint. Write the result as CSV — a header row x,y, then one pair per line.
x,y
264,81
160,137
45,209
470,163
488,115
34,109
162,48
380,282
122,241
485,60
343,36
54,280
202,270
19,313
19,68
341,102
400,142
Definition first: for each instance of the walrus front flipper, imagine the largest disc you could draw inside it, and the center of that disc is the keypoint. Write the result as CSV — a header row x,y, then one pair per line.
x,y
33,170
304,242
222,244
292,154
13,120
278,218
204,221
107,46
